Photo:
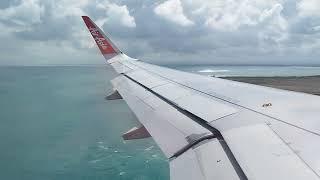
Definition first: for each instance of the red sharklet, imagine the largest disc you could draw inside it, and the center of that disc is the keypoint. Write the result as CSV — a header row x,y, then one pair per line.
x,y
103,43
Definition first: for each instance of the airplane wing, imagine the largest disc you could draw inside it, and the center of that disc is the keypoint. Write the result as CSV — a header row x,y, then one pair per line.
x,y
211,128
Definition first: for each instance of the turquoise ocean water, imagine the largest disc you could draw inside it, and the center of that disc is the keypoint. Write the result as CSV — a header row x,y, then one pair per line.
x,y
56,125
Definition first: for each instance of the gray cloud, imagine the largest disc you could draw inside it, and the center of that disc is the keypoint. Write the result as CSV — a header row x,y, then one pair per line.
x,y
163,32
8,3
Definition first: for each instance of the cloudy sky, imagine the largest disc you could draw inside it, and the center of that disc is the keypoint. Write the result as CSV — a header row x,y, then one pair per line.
x,y
286,32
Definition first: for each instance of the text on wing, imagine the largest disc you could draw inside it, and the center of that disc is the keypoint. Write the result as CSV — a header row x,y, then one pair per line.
x,y
100,40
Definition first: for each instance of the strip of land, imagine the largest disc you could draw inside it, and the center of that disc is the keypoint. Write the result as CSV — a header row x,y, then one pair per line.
x,y
306,84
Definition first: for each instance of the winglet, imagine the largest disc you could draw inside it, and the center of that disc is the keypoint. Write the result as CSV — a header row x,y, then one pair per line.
x,y
107,48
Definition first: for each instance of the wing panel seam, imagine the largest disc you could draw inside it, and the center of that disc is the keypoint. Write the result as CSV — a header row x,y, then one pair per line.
x,y
229,101
190,145
204,124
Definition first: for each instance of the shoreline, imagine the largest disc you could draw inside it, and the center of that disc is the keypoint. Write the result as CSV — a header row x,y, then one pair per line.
x,y
305,84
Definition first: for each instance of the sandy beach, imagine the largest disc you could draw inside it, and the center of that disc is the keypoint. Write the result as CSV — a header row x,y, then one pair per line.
x,y
306,84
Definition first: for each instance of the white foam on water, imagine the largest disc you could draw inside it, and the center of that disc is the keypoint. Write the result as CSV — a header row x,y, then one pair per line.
x,y
103,147
213,71
95,161
149,148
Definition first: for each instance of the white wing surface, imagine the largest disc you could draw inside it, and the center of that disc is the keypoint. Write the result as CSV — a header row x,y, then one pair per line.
x,y
211,128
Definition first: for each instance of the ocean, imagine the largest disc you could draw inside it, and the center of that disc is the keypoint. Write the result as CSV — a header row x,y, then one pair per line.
x,y
56,124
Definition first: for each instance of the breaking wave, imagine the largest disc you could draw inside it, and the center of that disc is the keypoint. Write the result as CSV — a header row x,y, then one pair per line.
x,y
213,71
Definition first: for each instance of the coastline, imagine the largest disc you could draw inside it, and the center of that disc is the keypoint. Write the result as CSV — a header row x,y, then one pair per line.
x,y
306,84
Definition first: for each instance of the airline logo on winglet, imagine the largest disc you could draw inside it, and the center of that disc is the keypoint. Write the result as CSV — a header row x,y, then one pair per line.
x,y
97,35
94,31
102,42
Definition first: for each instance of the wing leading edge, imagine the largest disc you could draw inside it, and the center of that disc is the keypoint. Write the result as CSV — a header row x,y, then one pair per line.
x,y
211,128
